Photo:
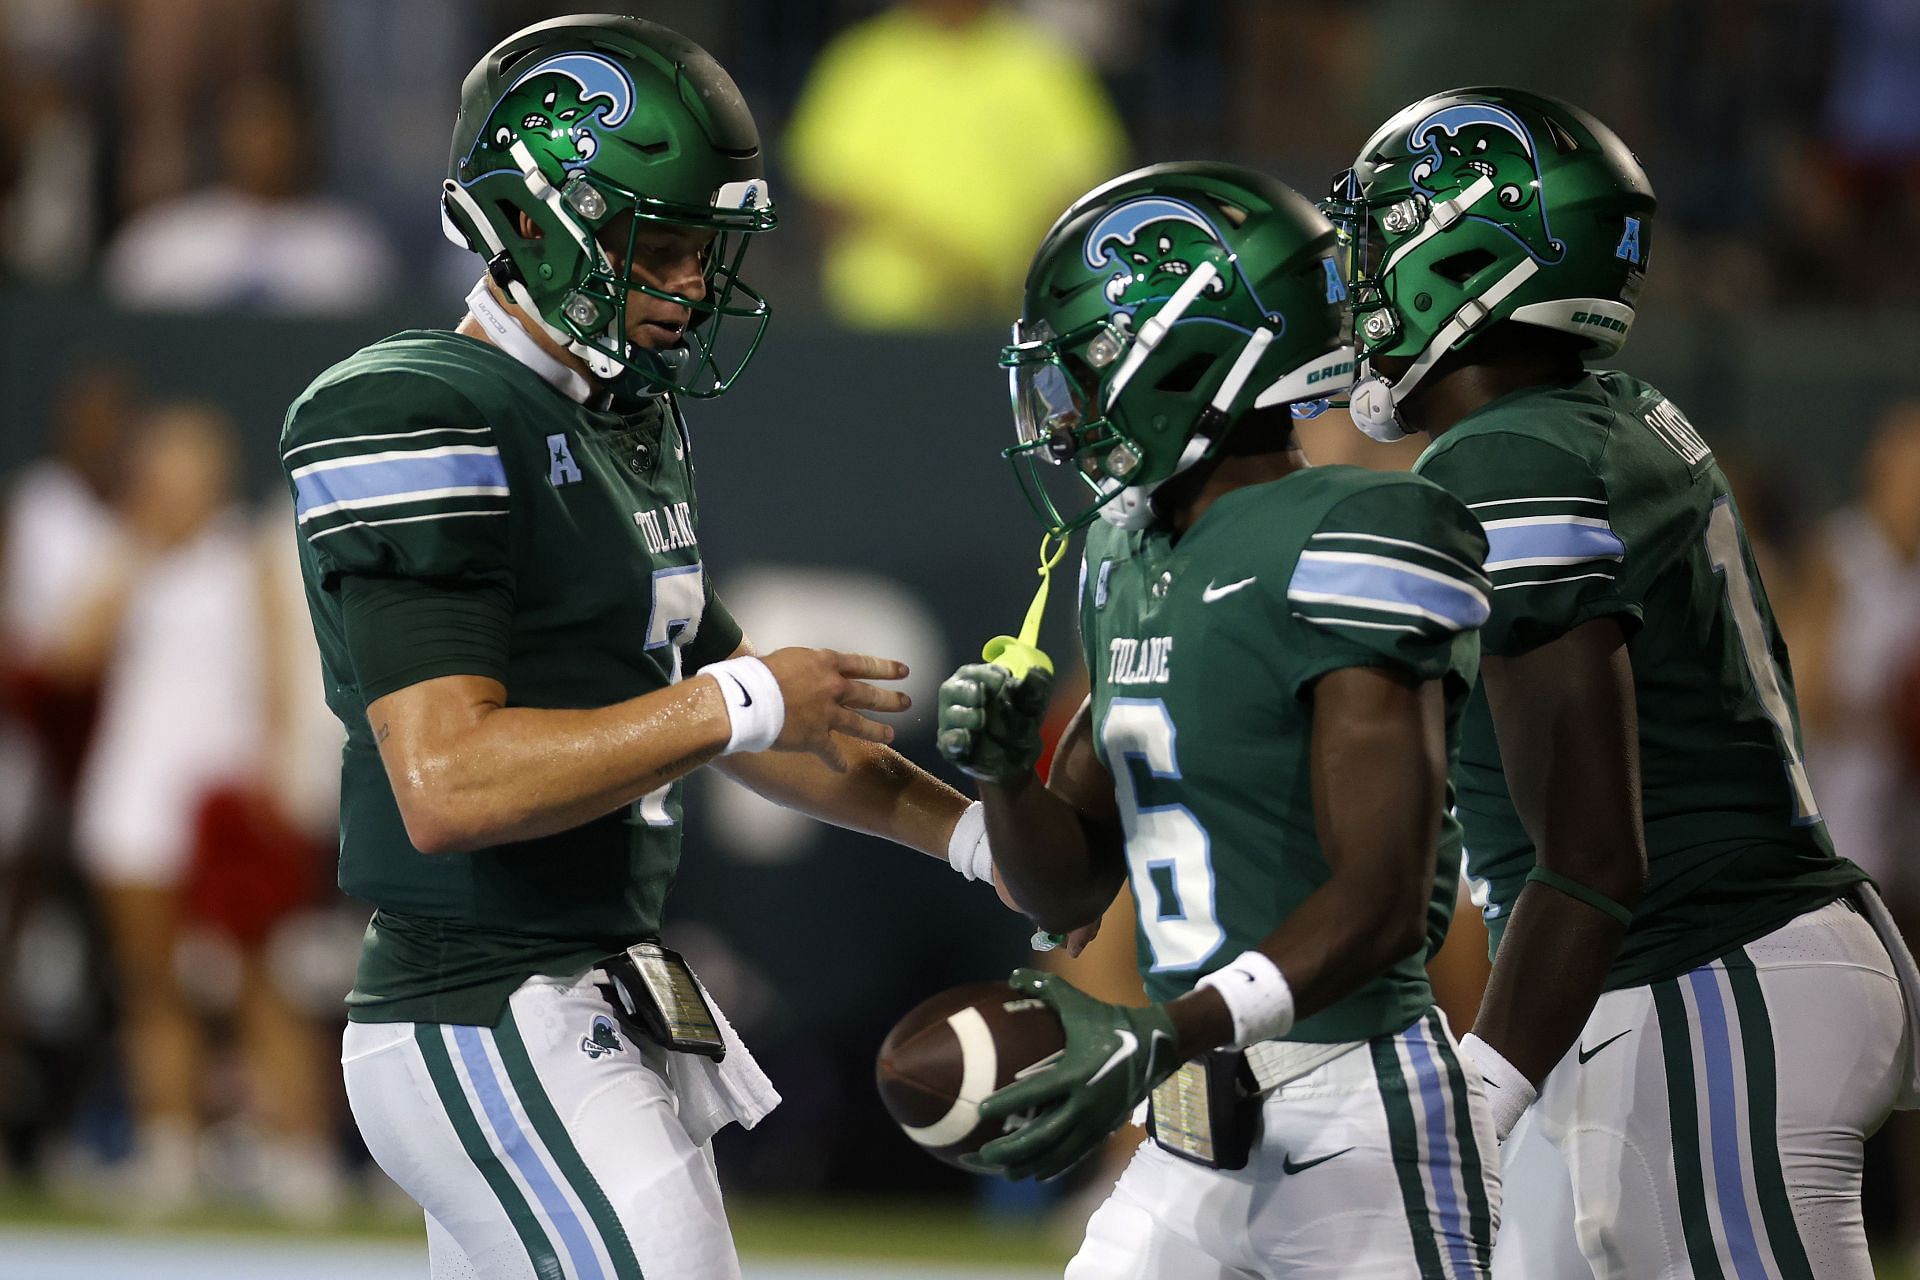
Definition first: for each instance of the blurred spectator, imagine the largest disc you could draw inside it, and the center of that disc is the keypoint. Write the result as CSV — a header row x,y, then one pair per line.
x,y
55,525
173,812
943,137
255,240
174,55
1858,643
1861,628
50,148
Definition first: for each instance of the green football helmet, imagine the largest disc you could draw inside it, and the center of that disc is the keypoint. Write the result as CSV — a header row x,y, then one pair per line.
x,y
1481,205
596,126
1160,309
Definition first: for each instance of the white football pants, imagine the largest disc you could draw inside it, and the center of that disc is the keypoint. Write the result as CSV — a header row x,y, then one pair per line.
x,y
545,1147
1709,1127
1377,1165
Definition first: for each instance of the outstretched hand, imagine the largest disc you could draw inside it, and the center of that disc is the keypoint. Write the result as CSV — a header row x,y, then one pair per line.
x,y
825,693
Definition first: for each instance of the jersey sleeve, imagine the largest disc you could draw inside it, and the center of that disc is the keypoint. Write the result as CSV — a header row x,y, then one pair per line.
x,y
1391,577
398,475
1553,554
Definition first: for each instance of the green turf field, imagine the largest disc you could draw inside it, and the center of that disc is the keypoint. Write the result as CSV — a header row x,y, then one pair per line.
x,y
770,1233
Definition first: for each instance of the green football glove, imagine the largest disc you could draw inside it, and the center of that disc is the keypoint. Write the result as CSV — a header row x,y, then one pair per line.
x,y
1114,1057
990,722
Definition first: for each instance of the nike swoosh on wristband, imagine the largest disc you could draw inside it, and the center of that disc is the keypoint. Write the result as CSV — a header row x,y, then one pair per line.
x,y
1212,593
1288,1166
1588,1053
746,699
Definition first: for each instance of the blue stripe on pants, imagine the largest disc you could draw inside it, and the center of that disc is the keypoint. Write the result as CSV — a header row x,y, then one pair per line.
x,y
1439,1151
1723,1127
514,1139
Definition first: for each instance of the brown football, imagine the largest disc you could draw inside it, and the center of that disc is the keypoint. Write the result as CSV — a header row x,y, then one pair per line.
x,y
942,1059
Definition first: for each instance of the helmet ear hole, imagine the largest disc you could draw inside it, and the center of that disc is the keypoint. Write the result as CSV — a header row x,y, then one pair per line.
x,y
1186,375
1460,267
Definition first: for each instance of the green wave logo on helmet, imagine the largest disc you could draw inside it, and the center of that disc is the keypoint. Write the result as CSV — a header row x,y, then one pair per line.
x,y
557,108
1156,243
1469,141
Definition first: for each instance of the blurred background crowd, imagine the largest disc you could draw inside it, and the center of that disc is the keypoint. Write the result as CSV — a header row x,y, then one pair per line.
x,y
205,202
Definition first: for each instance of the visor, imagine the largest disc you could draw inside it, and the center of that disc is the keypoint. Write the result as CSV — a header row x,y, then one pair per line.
x,y
1064,452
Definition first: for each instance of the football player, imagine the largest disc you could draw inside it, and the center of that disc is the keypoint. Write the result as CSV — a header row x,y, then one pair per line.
x,y
1686,974
1280,656
499,536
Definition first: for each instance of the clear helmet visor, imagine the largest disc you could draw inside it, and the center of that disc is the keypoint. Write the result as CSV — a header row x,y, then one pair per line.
x,y
1065,450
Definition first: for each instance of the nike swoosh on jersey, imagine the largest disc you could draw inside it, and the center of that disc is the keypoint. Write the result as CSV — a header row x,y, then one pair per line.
x,y
1213,593
1588,1053
1288,1166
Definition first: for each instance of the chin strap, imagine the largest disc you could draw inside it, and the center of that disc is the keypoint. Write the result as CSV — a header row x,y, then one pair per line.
x,y
1132,507
1374,403
512,337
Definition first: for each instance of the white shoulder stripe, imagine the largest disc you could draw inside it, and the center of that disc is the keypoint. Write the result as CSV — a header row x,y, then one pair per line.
x,y
373,524
1378,606
1550,582
1355,622
1399,542
416,495
391,435
1507,502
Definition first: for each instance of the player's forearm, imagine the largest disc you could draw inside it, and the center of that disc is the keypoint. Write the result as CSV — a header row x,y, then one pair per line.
x,y
1061,866
1551,968
519,773
881,793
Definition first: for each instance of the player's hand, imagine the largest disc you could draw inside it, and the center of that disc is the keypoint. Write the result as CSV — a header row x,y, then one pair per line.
x,y
825,692
990,722
1114,1057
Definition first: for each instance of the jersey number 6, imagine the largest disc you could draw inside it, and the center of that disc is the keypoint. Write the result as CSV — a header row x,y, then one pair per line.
x,y
1168,858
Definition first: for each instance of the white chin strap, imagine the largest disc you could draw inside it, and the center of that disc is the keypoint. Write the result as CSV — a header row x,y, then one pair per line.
x,y
1374,402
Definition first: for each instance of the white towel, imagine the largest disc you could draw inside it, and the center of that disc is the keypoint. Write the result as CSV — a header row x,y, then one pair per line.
x,y
713,1095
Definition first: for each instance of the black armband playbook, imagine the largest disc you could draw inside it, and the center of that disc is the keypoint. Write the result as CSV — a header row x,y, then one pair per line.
x,y
1581,893
401,631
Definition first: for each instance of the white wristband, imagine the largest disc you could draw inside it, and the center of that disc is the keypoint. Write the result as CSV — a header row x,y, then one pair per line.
x,y
1257,996
967,850
1509,1093
756,709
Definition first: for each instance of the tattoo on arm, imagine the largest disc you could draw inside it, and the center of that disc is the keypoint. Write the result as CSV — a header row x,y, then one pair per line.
x,y
381,734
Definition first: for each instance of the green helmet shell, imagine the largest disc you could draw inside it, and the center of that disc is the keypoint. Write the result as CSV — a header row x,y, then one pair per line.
x,y
595,126
1161,308
1487,204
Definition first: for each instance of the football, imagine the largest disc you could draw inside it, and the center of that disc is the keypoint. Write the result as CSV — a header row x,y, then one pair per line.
x,y
948,1053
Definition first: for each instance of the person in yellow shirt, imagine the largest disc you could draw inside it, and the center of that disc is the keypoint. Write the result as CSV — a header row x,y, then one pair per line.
x,y
941,137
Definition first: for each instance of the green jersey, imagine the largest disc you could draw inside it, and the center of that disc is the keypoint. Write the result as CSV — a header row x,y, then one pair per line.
x,y
1203,656
437,459
1601,500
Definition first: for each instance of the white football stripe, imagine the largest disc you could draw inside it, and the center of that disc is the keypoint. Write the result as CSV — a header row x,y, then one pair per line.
x,y
979,1068
392,435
